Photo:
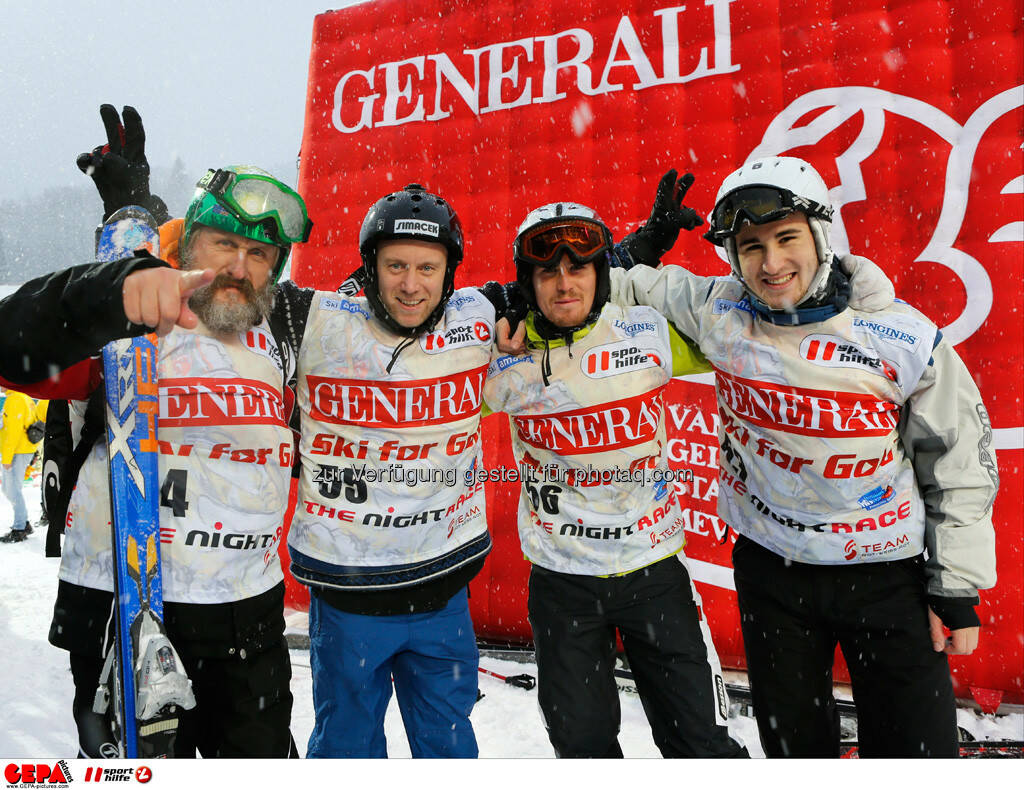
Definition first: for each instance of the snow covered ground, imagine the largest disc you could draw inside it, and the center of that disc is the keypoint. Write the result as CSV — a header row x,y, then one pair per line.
x,y
35,718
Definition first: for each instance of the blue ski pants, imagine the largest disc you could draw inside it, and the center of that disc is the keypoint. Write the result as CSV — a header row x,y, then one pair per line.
x,y
13,480
433,659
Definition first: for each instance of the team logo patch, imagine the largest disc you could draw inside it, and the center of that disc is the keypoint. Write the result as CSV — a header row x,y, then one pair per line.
x,y
505,362
615,358
725,305
886,332
835,352
344,305
876,496
418,226
458,302
894,547
459,335
634,328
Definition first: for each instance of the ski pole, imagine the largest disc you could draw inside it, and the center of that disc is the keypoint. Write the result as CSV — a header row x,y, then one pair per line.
x,y
522,681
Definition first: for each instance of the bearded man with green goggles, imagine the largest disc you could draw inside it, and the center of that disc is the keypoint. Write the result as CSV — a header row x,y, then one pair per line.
x,y
226,446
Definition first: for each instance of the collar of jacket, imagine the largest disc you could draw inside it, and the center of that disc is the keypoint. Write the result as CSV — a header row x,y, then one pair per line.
x,y
535,340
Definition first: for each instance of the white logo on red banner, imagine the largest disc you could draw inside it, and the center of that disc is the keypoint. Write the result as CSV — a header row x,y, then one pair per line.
x,y
807,411
206,401
595,429
537,65
383,404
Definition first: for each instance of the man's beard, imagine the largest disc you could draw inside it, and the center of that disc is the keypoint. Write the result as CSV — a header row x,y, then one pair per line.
x,y
224,317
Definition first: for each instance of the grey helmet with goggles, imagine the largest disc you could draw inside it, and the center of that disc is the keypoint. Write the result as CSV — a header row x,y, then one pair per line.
x,y
411,214
766,190
251,203
548,233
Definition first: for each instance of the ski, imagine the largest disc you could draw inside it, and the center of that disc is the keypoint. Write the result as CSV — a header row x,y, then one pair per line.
x,y
146,676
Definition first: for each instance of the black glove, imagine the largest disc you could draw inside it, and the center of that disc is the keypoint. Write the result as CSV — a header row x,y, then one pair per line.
x,y
119,169
507,300
648,243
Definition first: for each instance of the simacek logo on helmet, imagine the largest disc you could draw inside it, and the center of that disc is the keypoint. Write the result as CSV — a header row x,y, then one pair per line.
x,y
56,774
418,226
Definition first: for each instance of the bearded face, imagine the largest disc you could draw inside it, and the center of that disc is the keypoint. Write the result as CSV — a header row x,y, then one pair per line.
x,y
242,294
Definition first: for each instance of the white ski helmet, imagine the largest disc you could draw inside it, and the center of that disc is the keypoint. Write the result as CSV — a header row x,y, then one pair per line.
x,y
557,228
766,190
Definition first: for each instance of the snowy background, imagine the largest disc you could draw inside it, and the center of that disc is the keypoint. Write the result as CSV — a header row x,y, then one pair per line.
x,y
216,83
35,702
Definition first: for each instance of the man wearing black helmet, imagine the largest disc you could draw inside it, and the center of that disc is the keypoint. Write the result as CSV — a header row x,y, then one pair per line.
x,y
390,523
856,466
599,520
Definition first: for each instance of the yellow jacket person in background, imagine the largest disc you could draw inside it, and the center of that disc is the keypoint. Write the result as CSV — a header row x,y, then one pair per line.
x,y
16,451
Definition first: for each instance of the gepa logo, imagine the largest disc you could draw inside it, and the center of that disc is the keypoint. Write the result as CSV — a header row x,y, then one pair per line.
x,y
612,359
420,226
44,774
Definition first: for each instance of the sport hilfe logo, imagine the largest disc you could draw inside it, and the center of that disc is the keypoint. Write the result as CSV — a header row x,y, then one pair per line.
x,y
142,774
613,359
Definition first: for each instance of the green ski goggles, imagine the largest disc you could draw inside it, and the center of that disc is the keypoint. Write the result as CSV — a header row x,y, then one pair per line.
x,y
258,198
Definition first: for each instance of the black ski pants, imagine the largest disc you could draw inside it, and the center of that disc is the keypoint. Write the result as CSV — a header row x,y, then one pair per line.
x,y
235,654
243,706
574,619
793,615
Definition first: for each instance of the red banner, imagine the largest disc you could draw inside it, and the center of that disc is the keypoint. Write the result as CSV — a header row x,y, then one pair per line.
x,y
913,112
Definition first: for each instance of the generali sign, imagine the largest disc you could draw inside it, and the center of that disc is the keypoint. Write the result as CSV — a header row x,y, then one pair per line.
x,y
913,112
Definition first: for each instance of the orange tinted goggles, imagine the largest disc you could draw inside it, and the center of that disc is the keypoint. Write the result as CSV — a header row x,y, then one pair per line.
x,y
582,239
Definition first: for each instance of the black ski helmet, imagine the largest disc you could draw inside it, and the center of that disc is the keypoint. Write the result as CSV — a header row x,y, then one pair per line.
x,y
416,215
551,216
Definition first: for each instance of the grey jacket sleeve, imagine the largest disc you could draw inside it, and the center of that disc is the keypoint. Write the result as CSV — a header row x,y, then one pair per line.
x,y
946,432
671,290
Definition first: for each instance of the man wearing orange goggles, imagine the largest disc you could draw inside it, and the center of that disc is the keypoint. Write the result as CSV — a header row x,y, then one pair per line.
x,y
601,525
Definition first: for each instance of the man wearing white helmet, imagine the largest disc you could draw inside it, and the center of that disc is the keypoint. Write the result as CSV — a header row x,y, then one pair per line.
x,y
856,467
598,516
